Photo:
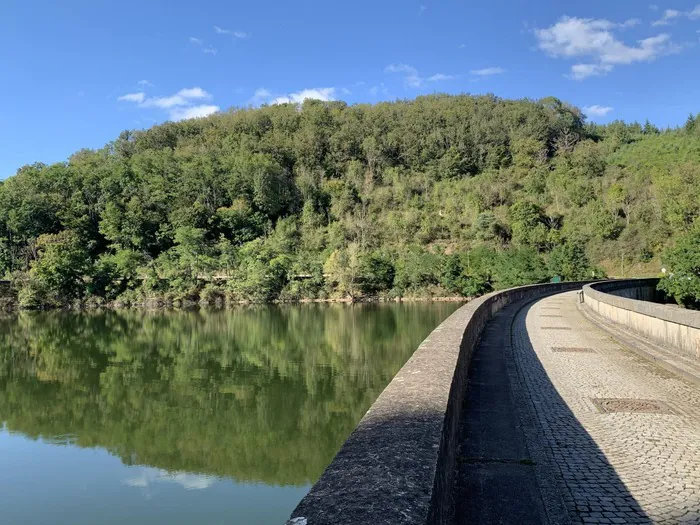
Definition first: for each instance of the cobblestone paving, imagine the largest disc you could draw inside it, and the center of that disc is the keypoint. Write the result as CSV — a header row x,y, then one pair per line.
x,y
615,467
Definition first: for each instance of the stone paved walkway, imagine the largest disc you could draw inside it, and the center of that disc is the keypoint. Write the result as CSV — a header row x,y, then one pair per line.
x,y
592,433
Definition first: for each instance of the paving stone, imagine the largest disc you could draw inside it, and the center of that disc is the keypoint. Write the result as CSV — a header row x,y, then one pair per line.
x,y
635,467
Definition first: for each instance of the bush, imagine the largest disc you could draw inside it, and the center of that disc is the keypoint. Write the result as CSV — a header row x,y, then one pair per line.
x,y
682,278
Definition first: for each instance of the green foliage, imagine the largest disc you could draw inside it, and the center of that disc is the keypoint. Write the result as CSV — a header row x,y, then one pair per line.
x,y
329,200
115,273
570,262
262,274
682,278
519,266
57,276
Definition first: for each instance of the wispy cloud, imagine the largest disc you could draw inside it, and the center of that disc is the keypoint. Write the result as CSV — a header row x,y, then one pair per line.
x,y
181,98
573,37
185,113
439,77
488,71
653,7
182,105
411,78
324,94
583,71
187,481
631,22
597,111
236,34
265,96
208,50
378,89
410,74
145,83
670,15
461,46
133,97
261,95
422,8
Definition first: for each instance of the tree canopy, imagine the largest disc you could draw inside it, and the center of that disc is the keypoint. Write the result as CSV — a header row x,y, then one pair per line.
x,y
432,196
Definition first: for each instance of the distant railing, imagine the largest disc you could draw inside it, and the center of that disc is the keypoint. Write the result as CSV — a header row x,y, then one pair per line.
x,y
630,304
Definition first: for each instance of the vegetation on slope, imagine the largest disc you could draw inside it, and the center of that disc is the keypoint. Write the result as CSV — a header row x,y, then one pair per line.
x,y
439,195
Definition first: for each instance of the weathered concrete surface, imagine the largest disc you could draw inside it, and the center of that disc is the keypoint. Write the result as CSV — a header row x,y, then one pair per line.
x,y
500,476
397,467
665,324
610,467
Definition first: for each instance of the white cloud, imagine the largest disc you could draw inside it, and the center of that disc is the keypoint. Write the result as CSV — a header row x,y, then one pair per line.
x,y
184,113
376,90
149,475
180,106
133,97
653,7
488,71
181,98
325,94
411,77
145,83
669,14
439,77
582,71
209,50
265,96
260,95
574,37
597,111
673,14
237,34
631,22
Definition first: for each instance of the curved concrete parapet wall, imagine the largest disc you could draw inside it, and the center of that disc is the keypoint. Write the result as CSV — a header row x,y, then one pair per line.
x,y
398,464
627,304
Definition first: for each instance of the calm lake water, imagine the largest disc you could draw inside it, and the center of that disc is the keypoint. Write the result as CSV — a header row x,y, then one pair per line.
x,y
208,417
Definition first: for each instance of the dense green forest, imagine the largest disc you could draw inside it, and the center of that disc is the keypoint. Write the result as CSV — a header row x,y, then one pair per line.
x,y
442,195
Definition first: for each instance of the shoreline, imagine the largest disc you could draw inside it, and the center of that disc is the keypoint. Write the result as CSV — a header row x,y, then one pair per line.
x,y
160,304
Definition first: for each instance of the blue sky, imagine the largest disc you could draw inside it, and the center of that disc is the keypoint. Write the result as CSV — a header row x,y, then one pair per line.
x,y
76,73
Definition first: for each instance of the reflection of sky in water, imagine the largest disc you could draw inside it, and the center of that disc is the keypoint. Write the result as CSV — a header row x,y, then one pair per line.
x,y
149,476
49,480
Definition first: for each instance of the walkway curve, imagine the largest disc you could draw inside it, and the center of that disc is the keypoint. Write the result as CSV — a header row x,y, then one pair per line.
x,y
563,424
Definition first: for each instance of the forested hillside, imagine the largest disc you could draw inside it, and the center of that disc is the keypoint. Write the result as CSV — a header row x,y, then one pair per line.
x,y
442,195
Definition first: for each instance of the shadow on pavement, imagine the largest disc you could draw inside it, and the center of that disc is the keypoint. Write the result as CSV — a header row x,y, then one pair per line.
x,y
523,456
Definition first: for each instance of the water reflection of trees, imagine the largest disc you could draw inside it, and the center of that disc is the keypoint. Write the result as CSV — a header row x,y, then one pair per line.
x,y
258,394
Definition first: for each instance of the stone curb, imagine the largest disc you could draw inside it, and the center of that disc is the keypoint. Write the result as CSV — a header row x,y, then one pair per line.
x,y
397,467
